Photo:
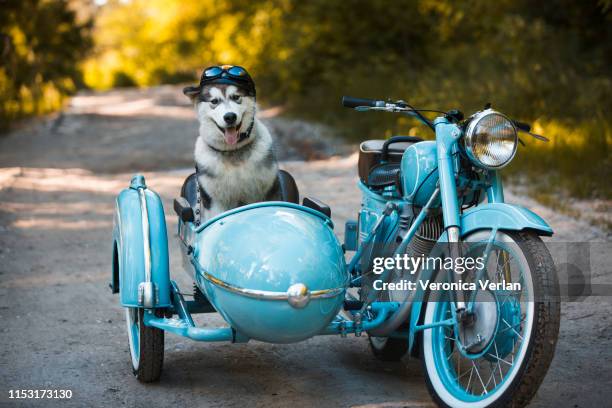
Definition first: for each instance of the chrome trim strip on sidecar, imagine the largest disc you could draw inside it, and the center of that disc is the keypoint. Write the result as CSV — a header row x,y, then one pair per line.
x,y
146,290
145,234
268,295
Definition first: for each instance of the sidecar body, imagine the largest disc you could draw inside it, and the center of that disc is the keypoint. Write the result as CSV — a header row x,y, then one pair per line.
x,y
273,270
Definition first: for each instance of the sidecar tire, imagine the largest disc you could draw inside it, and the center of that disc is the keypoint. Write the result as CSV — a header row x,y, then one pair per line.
x,y
388,349
147,350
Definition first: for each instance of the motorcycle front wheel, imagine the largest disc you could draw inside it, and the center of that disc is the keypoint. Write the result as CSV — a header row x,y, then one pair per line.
x,y
501,355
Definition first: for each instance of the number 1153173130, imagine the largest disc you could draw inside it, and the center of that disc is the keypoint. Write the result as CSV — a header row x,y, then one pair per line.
x,y
39,394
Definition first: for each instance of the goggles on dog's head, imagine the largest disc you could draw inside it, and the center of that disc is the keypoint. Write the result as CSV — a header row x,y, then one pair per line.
x,y
228,74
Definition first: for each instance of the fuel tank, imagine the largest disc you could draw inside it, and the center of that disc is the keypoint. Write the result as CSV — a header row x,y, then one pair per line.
x,y
419,172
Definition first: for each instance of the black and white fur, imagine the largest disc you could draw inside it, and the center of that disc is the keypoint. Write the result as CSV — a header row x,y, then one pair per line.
x,y
232,172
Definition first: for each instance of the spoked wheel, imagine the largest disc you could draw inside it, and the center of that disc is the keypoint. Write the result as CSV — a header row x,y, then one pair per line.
x,y
146,346
500,355
387,348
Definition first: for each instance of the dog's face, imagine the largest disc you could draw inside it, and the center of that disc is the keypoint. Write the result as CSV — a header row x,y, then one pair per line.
x,y
224,112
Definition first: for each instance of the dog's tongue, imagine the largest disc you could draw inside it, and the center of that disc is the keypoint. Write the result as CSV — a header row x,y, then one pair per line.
x,y
231,135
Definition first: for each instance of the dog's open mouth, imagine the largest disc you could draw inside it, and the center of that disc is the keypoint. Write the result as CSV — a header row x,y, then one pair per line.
x,y
231,133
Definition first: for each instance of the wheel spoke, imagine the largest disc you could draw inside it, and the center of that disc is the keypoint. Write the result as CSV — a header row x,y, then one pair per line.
x,y
501,375
459,364
470,379
505,329
463,375
499,359
491,377
484,388
512,328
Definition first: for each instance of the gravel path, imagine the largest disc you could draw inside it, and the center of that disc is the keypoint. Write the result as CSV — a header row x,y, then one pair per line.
x,y
63,329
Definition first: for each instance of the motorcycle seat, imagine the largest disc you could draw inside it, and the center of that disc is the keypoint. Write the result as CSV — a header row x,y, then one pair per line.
x,y
372,172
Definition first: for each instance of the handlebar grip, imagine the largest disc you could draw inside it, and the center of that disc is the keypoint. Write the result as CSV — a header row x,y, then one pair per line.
x,y
350,102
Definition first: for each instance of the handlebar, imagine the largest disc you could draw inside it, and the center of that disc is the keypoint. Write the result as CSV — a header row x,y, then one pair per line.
x,y
350,102
403,107
372,104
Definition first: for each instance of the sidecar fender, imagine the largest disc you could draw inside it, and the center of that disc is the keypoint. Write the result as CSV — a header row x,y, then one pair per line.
x,y
501,216
130,247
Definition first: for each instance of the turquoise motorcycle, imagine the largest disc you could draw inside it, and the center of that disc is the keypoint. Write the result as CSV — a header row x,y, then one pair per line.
x,y
484,330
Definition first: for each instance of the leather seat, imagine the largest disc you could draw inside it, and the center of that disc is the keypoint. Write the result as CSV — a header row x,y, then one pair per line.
x,y
372,172
287,186
189,189
376,145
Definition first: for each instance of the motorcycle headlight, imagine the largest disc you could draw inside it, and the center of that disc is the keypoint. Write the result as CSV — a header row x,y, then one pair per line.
x,y
491,139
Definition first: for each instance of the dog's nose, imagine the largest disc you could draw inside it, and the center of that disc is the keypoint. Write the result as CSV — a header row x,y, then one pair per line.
x,y
229,118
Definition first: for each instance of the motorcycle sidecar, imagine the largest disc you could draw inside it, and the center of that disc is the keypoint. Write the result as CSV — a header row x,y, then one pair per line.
x,y
273,270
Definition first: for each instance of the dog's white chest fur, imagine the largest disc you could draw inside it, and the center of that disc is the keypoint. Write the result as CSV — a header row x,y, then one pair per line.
x,y
238,177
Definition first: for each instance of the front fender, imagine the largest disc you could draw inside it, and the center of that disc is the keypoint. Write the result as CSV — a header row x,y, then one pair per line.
x,y
500,216
129,246
503,216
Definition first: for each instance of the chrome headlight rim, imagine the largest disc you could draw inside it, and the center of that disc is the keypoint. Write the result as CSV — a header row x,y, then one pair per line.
x,y
469,139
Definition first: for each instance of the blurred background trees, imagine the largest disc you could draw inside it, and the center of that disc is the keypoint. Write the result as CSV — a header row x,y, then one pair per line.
x,y
41,46
549,58
548,62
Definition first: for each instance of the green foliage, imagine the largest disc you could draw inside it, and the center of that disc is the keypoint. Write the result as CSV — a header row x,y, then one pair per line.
x,y
528,59
547,61
41,45
576,161
544,61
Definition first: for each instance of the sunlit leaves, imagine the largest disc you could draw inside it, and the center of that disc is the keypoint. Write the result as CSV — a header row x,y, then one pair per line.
x,y
41,45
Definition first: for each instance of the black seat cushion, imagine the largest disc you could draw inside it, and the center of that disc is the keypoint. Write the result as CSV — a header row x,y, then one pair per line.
x,y
288,188
189,189
286,183
371,171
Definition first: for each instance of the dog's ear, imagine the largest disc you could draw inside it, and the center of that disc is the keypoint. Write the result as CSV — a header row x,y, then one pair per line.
x,y
192,92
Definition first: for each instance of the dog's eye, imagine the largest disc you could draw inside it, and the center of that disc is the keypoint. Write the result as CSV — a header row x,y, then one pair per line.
x,y
214,101
235,97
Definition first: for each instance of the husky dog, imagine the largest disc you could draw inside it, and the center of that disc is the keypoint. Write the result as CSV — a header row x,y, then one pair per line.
x,y
234,153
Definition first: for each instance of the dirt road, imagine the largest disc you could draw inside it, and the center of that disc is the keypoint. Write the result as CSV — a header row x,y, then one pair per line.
x,y
62,329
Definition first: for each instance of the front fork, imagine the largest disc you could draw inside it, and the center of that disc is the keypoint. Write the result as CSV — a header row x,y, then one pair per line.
x,y
447,135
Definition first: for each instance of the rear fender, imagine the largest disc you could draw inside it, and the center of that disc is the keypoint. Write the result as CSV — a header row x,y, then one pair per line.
x,y
130,248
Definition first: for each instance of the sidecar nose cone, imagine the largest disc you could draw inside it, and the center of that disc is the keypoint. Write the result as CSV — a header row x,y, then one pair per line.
x,y
286,282
298,295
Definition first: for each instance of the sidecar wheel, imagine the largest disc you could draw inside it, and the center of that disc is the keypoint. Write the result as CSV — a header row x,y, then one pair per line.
x,y
388,349
146,346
